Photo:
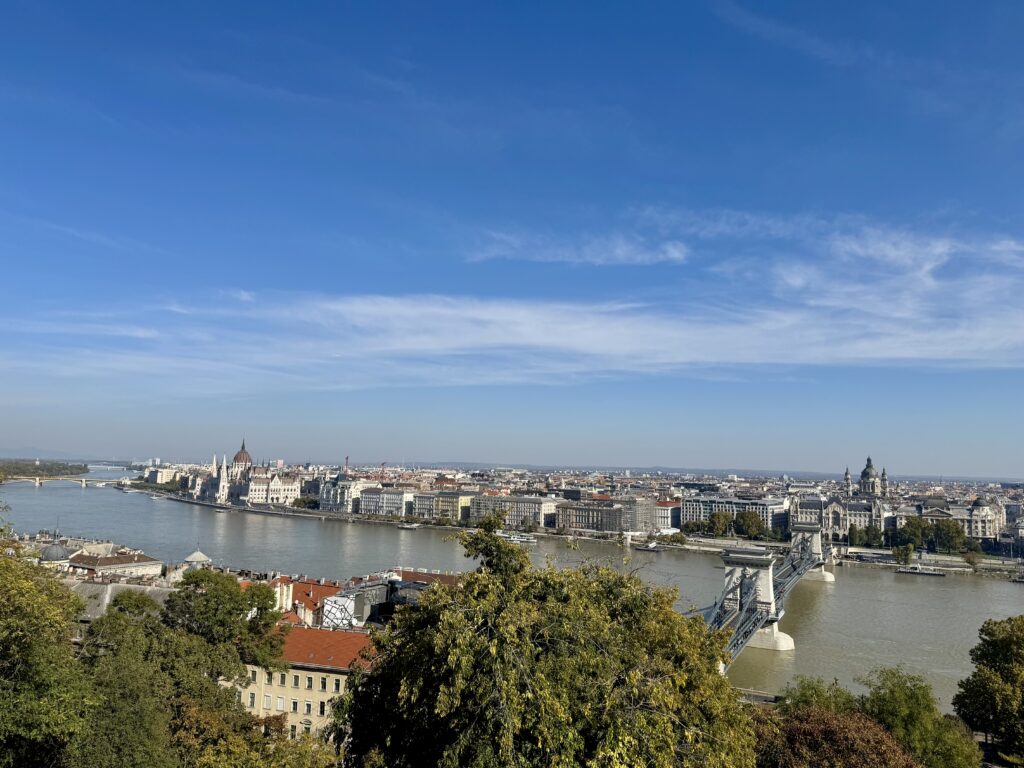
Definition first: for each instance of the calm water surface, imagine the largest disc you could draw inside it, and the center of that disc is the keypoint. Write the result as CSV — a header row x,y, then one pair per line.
x,y
867,618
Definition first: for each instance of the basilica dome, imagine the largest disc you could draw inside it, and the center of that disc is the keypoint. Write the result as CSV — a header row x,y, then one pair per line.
x,y
869,471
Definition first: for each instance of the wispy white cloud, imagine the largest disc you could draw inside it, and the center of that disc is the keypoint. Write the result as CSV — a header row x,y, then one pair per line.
x,y
614,249
812,291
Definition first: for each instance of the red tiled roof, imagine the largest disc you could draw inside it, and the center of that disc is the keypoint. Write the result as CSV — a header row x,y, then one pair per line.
x,y
669,503
309,592
427,578
324,648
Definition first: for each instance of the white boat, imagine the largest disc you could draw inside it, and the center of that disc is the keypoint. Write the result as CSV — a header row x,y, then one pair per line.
x,y
919,570
517,538
651,546
409,526
156,497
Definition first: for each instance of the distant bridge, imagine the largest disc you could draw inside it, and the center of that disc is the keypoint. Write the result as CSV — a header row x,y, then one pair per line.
x,y
756,585
80,479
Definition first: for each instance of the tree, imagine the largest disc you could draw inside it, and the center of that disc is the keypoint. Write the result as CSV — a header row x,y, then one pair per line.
x,y
905,705
822,737
949,535
904,554
991,700
213,606
524,666
873,536
855,536
131,724
43,694
814,692
915,531
306,502
718,523
748,523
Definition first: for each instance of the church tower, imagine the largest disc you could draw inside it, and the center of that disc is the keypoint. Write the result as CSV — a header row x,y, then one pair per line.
x,y
885,482
849,482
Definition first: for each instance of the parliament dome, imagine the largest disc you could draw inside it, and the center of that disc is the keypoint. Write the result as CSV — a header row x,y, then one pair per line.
x,y
242,457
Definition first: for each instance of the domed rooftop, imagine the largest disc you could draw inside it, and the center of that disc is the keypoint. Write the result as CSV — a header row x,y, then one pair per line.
x,y
981,501
242,457
869,470
197,557
54,553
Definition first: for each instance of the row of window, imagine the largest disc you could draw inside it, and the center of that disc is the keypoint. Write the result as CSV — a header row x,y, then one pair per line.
x,y
295,681
308,710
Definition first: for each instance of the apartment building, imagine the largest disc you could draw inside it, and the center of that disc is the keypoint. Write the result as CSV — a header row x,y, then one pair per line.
x,y
516,511
698,509
319,662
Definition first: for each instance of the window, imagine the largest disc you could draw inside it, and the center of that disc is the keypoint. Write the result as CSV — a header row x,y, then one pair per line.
x,y
270,678
280,703
291,732
309,707
295,705
266,701
295,681
252,701
305,729
252,675
337,685
309,683
323,708
323,683
283,678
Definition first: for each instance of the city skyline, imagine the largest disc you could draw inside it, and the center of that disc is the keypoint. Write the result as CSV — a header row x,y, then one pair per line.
x,y
708,236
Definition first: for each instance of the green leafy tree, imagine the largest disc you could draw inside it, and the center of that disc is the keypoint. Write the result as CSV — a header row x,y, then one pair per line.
x,y
306,502
525,666
213,606
718,523
855,536
748,523
873,536
44,696
914,531
949,536
903,554
822,737
905,705
991,700
131,723
814,692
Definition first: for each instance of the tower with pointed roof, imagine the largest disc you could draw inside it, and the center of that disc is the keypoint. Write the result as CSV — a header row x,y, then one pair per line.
x,y
848,481
224,489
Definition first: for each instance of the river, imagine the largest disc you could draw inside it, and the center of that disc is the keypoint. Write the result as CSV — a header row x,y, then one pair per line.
x,y
867,618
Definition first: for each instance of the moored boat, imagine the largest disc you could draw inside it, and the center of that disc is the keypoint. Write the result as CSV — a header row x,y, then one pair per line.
x,y
919,570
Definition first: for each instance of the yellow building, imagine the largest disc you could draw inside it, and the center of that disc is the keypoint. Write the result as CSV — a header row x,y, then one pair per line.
x,y
319,661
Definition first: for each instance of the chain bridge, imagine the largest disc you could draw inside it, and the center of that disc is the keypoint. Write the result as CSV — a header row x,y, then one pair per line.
x,y
757,582
39,480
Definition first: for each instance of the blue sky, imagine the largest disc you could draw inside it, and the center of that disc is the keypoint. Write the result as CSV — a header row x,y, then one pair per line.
x,y
705,234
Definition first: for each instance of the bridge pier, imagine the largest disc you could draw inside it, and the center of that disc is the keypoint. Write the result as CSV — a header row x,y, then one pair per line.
x,y
820,574
83,482
39,482
770,638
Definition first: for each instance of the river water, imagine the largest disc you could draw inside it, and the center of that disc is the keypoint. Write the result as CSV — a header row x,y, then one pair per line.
x,y
867,618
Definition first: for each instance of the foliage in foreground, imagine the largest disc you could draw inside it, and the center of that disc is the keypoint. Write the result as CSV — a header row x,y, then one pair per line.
x,y
144,692
825,738
991,700
902,704
524,666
